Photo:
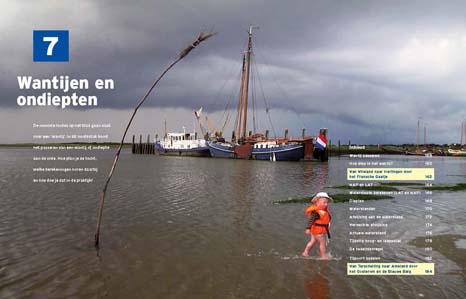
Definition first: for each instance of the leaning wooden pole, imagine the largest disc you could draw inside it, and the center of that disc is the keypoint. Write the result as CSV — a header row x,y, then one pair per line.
x,y
201,37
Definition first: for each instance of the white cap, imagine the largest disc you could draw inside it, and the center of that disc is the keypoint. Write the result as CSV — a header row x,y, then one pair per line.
x,y
321,195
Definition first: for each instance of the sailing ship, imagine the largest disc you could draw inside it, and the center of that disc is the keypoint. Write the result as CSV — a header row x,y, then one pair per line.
x,y
259,146
461,151
182,144
425,150
456,152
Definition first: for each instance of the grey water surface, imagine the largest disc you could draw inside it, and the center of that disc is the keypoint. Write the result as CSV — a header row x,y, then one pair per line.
x,y
176,227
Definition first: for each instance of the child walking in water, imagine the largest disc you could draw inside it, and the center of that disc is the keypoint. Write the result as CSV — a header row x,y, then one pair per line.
x,y
319,221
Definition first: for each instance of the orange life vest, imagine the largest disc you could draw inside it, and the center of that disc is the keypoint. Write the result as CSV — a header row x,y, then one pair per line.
x,y
320,226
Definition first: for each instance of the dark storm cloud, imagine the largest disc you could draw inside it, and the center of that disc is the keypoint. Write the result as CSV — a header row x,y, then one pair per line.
x,y
360,63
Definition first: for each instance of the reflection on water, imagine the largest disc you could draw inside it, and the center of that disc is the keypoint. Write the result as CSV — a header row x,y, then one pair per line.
x,y
243,196
317,287
315,174
177,227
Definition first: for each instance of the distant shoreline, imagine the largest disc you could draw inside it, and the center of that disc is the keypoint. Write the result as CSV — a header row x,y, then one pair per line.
x,y
390,149
111,144
334,150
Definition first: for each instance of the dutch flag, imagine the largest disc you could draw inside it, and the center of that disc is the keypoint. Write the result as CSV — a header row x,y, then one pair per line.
x,y
321,142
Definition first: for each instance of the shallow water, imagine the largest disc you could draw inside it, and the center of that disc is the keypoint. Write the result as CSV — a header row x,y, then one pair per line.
x,y
205,228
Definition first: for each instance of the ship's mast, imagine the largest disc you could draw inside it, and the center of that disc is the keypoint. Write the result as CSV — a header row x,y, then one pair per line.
x,y
248,69
240,104
417,132
463,133
244,88
425,135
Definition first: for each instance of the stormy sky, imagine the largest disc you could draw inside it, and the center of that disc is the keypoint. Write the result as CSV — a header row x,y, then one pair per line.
x,y
366,70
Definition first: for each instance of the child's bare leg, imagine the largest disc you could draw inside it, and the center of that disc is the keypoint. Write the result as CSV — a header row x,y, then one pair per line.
x,y
322,246
309,246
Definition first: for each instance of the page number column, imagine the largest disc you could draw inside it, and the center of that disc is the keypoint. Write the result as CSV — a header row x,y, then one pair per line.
x,y
428,214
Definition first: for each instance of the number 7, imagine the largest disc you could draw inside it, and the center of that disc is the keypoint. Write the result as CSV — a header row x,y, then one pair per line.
x,y
53,41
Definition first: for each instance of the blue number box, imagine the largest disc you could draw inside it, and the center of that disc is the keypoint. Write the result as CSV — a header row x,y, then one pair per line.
x,y
51,45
